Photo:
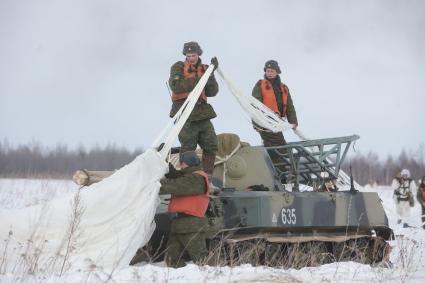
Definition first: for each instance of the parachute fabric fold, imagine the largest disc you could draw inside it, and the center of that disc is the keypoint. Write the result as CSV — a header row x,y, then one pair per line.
x,y
102,225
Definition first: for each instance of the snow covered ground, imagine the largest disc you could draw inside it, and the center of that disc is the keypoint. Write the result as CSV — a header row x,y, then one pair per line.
x,y
407,256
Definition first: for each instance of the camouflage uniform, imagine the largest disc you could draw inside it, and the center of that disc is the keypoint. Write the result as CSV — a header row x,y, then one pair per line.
x,y
187,233
421,199
403,198
198,128
270,138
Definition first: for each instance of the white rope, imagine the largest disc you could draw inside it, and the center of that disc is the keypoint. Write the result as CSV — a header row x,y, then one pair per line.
x,y
224,160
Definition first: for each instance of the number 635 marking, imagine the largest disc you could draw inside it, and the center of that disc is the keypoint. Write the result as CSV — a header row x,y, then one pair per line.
x,y
288,216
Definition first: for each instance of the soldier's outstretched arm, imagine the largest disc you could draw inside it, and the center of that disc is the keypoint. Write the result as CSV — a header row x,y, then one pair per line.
x,y
256,92
185,185
291,113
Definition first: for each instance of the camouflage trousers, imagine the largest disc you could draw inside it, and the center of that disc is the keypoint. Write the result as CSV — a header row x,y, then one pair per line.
x,y
187,246
272,139
199,132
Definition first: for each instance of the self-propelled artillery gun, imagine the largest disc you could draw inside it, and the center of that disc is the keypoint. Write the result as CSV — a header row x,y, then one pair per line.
x,y
267,210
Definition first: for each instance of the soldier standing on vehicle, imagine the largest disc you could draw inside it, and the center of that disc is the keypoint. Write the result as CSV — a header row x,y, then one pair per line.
x,y
421,199
275,95
403,187
198,129
189,189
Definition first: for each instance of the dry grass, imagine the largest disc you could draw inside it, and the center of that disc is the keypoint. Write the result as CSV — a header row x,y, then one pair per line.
x,y
31,258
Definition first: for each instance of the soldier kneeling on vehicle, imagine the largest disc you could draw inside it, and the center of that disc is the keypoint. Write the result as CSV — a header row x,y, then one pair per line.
x,y
189,189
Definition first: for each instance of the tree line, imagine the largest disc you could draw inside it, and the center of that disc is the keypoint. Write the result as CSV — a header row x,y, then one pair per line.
x,y
369,168
61,162
34,160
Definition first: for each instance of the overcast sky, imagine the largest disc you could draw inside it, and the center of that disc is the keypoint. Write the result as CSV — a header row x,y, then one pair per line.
x,y
94,72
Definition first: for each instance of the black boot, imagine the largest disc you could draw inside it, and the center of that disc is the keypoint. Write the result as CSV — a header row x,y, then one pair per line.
x,y
208,163
208,167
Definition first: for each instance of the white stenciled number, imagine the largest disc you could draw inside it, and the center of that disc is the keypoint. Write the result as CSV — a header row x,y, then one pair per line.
x,y
283,212
288,216
293,216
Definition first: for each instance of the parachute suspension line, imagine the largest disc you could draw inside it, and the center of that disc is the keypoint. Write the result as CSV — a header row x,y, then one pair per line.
x,y
300,135
258,112
175,125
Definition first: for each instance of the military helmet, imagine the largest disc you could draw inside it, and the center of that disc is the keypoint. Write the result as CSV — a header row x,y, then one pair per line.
x,y
405,172
272,64
193,47
190,158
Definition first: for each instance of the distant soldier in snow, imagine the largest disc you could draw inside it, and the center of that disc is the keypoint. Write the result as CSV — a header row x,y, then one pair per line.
x,y
275,95
421,199
403,187
184,75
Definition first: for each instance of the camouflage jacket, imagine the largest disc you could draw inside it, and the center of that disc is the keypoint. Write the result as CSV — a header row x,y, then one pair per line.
x,y
419,195
179,84
186,184
403,188
290,111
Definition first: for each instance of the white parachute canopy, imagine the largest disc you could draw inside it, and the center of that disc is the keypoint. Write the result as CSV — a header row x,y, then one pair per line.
x,y
102,225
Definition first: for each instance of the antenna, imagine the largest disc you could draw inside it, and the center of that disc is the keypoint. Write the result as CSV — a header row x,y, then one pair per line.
x,y
352,188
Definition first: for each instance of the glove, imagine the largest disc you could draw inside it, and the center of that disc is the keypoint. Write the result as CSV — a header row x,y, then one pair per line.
x,y
173,173
214,61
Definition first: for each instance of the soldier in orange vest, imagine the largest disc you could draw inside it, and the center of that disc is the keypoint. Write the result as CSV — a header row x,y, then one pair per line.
x,y
275,95
189,191
184,75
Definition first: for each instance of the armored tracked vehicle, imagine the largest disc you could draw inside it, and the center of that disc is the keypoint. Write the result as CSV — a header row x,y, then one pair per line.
x,y
268,211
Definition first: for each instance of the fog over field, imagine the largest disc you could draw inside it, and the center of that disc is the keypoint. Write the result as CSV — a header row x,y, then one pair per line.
x,y
87,72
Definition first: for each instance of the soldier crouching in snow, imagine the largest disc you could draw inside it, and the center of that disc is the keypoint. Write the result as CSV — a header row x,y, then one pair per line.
x,y
403,187
189,189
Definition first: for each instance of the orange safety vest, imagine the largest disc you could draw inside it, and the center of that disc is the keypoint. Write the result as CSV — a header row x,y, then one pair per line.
x,y
195,205
189,72
269,98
